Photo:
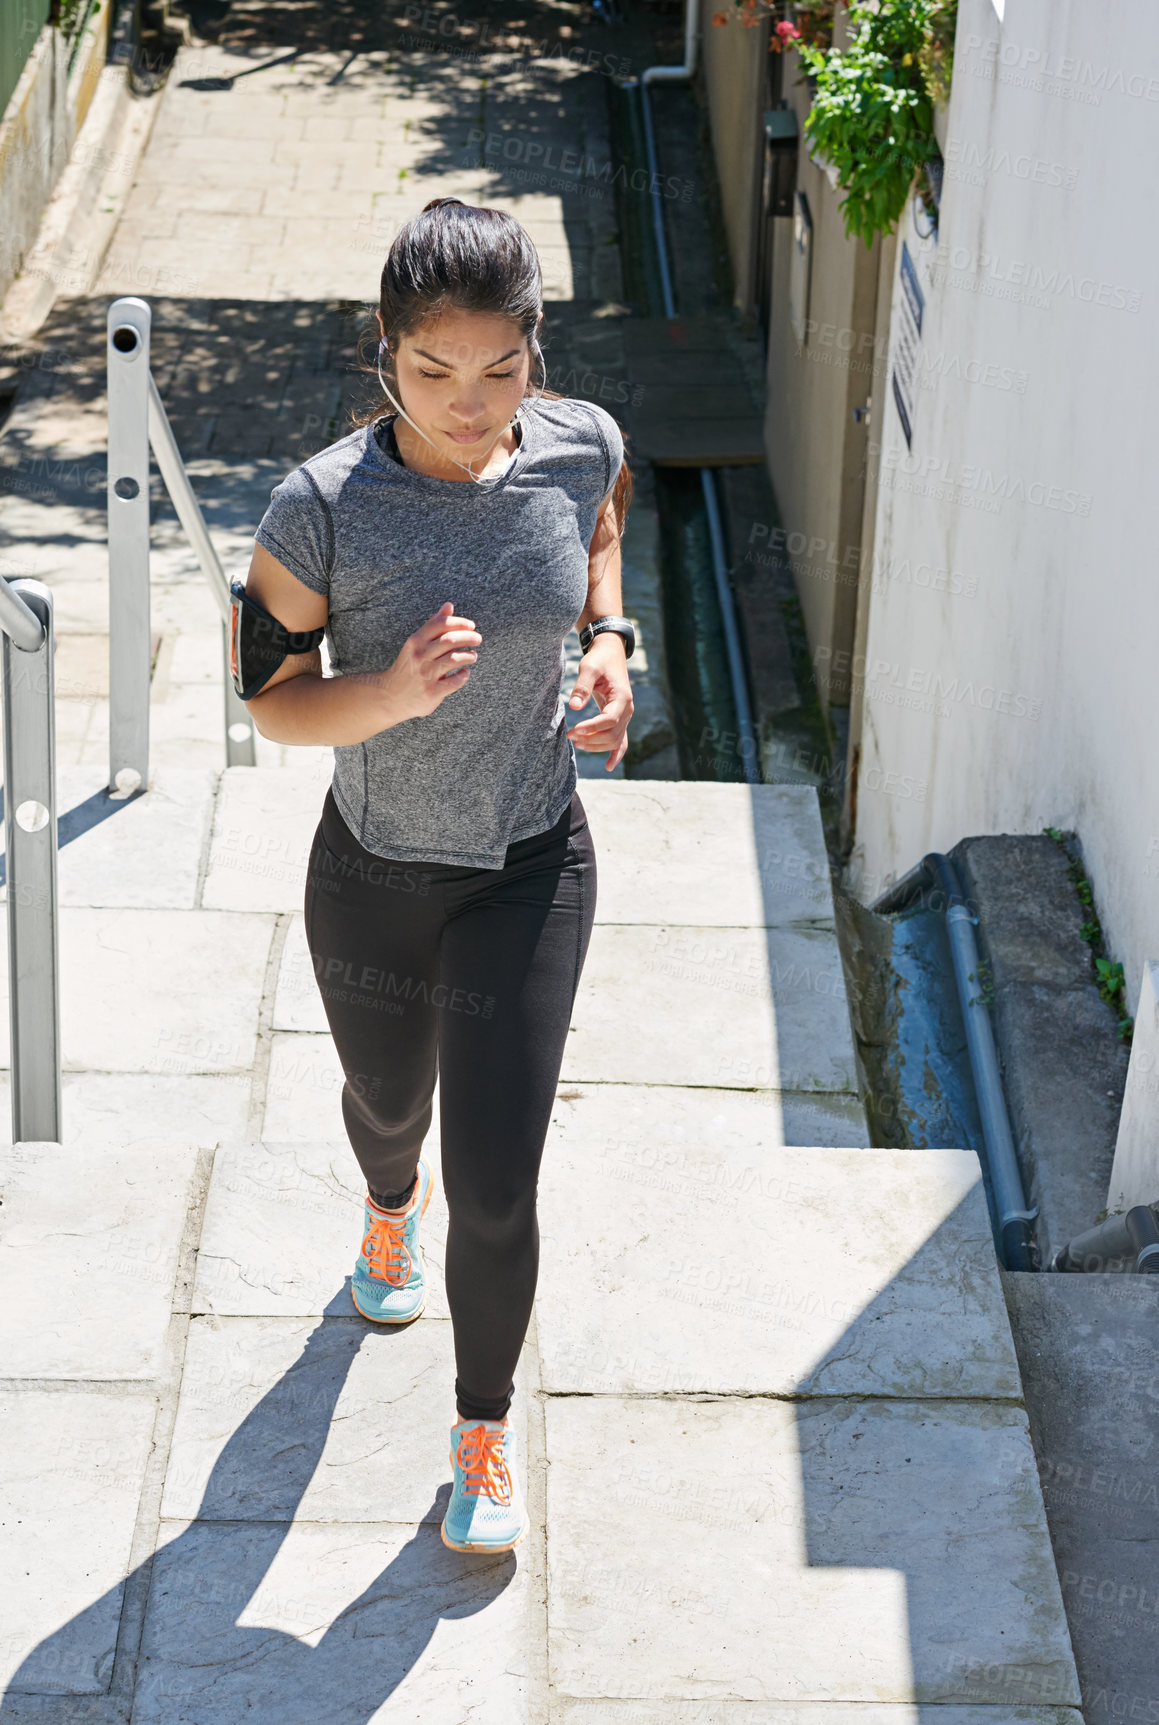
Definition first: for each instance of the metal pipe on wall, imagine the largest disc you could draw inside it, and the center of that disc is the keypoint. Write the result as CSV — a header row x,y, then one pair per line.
x,y
1012,1218
746,730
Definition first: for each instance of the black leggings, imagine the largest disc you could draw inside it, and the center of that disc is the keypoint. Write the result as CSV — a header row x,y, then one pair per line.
x,y
428,968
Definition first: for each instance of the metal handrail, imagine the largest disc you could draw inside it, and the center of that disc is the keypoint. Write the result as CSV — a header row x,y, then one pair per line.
x,y
18,621
138,422
27,644
182,496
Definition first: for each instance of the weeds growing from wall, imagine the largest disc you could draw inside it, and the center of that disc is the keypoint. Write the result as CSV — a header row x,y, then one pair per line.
x,y
1108,973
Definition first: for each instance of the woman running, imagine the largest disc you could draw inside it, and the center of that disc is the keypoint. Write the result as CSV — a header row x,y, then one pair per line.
x,y
452,879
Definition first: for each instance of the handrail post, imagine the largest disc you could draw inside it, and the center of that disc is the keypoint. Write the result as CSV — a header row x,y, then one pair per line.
x,y
240,746
130,646
30,864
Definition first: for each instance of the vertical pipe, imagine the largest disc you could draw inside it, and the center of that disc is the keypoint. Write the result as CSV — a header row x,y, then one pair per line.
x,y
30,846
746,730
747,733
657,208
130,647
1014,1218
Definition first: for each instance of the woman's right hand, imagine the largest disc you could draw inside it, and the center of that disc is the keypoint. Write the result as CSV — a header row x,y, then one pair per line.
x,y
433,662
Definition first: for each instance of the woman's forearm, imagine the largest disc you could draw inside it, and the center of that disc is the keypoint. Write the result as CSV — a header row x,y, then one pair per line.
x,y
604,565
333,711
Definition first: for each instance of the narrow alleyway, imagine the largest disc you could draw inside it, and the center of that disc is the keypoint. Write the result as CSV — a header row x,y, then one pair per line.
x,y
758,1347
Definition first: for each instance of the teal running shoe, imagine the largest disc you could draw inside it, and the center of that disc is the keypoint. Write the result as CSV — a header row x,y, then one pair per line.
x,y
486,1511
389,1285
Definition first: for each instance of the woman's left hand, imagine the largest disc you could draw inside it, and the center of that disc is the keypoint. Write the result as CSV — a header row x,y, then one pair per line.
x,y
603,676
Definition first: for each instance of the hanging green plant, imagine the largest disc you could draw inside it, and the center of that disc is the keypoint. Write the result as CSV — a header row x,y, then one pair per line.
x,y
872,115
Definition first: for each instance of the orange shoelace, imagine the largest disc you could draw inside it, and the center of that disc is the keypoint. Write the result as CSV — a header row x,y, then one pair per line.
x,y
385,1250
479,1453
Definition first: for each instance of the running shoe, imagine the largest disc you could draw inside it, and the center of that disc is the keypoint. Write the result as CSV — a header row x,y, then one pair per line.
x,y
486,1511
389,1285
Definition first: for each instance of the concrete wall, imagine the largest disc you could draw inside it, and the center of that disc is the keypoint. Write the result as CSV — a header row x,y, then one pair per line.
x,y
734,79
1006,682
39,127
1135,1173
816,450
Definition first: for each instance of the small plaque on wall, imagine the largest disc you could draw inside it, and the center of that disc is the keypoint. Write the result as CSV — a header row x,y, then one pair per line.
x,y
907,342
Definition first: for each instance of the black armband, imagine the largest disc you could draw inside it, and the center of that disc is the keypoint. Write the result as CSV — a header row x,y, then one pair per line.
x,y
258,643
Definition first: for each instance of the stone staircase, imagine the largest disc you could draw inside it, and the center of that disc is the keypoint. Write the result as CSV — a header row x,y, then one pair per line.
x,y
775,1447
774,1440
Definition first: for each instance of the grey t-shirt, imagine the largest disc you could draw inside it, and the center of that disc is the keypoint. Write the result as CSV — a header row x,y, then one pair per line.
x,y
493,763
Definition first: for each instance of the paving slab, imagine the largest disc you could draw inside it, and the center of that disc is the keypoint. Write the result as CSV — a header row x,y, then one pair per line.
x,y
142,853
820,1272
370,1408
298,1000
747,1006
664,848
710,854
156,990
282,1229
74,1461
678,1118
750,1007
88,1257
318,106
131,1109
750,1549
571,1712
303,1090
330,1622
1086,1345
262,827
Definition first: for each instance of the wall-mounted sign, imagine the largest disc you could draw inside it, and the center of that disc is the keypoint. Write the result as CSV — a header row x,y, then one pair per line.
x,y
907,343
800,268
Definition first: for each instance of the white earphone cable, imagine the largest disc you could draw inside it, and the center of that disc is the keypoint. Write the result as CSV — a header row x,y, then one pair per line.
x,y
480,479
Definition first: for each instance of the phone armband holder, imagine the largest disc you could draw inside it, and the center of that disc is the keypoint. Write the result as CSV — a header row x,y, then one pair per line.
x,y
258,643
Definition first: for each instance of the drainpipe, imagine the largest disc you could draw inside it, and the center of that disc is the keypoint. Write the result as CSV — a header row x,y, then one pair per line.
x,y
749,741
1012,1218
653,74
1129,1242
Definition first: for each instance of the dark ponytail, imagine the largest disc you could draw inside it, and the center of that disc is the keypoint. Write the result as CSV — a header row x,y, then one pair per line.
x,y
467,257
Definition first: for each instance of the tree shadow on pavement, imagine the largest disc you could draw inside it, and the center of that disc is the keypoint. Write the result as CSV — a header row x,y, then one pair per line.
x,y
200,1663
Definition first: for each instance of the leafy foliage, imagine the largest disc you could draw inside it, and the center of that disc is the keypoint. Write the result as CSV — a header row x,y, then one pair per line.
x,y
872,115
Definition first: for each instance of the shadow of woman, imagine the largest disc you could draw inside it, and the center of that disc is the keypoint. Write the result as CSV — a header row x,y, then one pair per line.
x,y
199,1664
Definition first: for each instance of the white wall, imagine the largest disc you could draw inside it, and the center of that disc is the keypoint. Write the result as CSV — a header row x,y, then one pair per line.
x,y
733,59
1135,1172
1015,605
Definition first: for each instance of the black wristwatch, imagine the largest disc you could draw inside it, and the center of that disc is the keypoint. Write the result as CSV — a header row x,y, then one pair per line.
x,y
609,625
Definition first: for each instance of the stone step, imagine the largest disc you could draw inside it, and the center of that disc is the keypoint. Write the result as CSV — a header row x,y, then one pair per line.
x,y
688,851
768,1410
754,1549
